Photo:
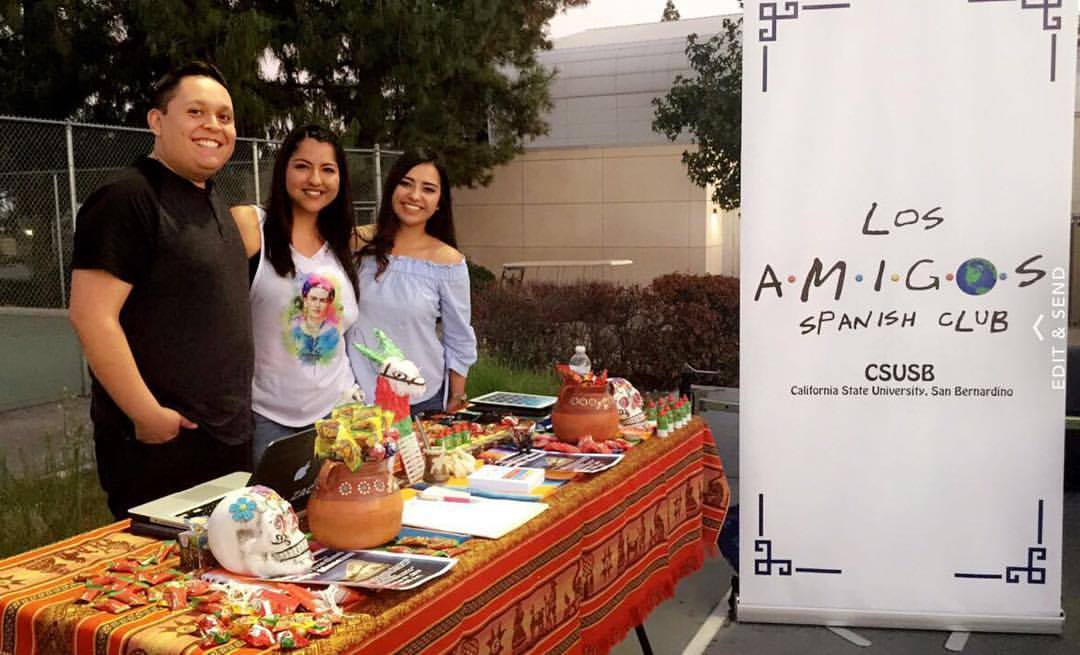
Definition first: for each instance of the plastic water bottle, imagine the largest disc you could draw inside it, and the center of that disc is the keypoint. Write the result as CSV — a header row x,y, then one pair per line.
x,y
580,363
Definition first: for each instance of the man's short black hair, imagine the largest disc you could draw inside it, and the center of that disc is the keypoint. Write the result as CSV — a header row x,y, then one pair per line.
x,y
165,88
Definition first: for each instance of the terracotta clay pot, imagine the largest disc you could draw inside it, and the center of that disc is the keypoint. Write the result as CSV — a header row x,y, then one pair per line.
x,y
585,409
354,510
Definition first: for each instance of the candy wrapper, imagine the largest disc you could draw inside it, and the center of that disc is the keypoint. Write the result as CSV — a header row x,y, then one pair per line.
x,y
348,451
357,434
259,636
110,605
291,639
327,432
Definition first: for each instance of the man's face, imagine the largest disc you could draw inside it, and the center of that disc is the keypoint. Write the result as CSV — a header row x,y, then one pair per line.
x,y
196,135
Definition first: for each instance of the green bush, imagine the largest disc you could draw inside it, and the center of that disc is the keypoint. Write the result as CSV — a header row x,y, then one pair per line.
x,y
479,276
644,334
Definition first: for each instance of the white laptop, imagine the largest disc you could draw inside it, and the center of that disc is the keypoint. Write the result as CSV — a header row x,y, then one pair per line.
x,y
288,466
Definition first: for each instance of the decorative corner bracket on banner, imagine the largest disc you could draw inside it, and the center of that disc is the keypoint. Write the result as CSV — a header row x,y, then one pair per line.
x,y
770,14
766,564
1050,23
1037,553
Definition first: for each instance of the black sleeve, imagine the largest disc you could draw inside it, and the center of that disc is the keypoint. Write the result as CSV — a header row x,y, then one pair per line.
x,y
116,229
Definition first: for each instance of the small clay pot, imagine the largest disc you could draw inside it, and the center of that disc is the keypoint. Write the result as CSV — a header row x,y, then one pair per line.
x,y
353,510
585,409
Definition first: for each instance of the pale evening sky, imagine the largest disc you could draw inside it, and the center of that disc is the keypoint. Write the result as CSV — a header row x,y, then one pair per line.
x,y
607,13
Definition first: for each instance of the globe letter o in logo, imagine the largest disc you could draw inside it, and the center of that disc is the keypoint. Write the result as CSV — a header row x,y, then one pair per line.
x,y
976,276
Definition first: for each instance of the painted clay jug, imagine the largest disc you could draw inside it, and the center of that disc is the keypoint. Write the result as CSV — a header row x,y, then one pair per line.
x,y
352,510
585,409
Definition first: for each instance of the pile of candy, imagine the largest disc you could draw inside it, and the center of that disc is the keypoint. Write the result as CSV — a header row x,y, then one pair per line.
x,y
586,444
356,433
589,379
465,433
259,616
261,628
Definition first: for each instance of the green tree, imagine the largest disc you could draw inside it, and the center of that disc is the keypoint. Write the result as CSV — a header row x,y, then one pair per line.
x,y
670,12
709,107
42,44
456,77
97,60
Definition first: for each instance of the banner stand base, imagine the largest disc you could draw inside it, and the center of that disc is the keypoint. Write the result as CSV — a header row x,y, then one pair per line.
x,y
852,618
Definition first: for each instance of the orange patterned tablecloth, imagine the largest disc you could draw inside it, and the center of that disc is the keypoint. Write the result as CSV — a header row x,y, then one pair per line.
x,y
574,580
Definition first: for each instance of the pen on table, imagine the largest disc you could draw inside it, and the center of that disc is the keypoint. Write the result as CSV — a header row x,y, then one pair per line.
x,y
437,494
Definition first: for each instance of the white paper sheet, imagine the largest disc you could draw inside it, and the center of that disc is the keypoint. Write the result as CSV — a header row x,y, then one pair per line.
x,y
483,517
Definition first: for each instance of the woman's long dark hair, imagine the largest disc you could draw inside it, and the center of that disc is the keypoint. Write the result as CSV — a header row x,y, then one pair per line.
x,y
440,225
335,221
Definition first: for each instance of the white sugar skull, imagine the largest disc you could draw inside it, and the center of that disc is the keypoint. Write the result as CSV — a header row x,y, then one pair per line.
x,y
254,531
627,401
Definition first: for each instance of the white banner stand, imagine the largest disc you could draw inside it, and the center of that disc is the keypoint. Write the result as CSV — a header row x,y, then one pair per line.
x,y
907,170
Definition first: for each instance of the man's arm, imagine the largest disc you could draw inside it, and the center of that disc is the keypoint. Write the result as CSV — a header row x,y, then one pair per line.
x,y
96,300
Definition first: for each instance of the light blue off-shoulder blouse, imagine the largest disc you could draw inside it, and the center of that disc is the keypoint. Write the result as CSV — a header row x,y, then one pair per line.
x,y
405,303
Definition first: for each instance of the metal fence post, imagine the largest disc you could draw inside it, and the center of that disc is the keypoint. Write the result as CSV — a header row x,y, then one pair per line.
x,y
377,153
58,239
255,169
68,132
71,169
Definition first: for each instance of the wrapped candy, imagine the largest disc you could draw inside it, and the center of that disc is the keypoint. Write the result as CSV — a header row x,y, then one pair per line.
x,y
258,636
291,639
321,627
269,602
208,622
341,412
326,435
348,451
371,424
124,566
110,605
129,597
215,637
154,578
240,626
175,597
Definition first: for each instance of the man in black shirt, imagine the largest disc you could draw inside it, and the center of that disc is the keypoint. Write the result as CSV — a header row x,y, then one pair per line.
x,y
159,300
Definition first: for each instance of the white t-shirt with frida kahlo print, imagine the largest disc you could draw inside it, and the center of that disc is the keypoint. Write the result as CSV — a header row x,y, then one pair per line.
x,y
299,324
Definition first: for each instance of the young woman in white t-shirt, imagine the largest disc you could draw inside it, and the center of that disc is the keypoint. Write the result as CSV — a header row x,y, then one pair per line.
x,y
303,286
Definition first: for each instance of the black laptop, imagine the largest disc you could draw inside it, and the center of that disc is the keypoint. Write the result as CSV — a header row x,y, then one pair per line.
x,y
288,466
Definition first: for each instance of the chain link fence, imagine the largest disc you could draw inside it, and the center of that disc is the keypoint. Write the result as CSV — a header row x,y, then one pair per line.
x,y
47,168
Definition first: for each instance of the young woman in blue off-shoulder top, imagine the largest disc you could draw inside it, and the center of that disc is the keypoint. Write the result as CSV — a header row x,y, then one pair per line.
x,y
414,285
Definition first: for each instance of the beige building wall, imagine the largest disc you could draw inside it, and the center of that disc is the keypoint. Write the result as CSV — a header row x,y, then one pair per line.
x,y
597,203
